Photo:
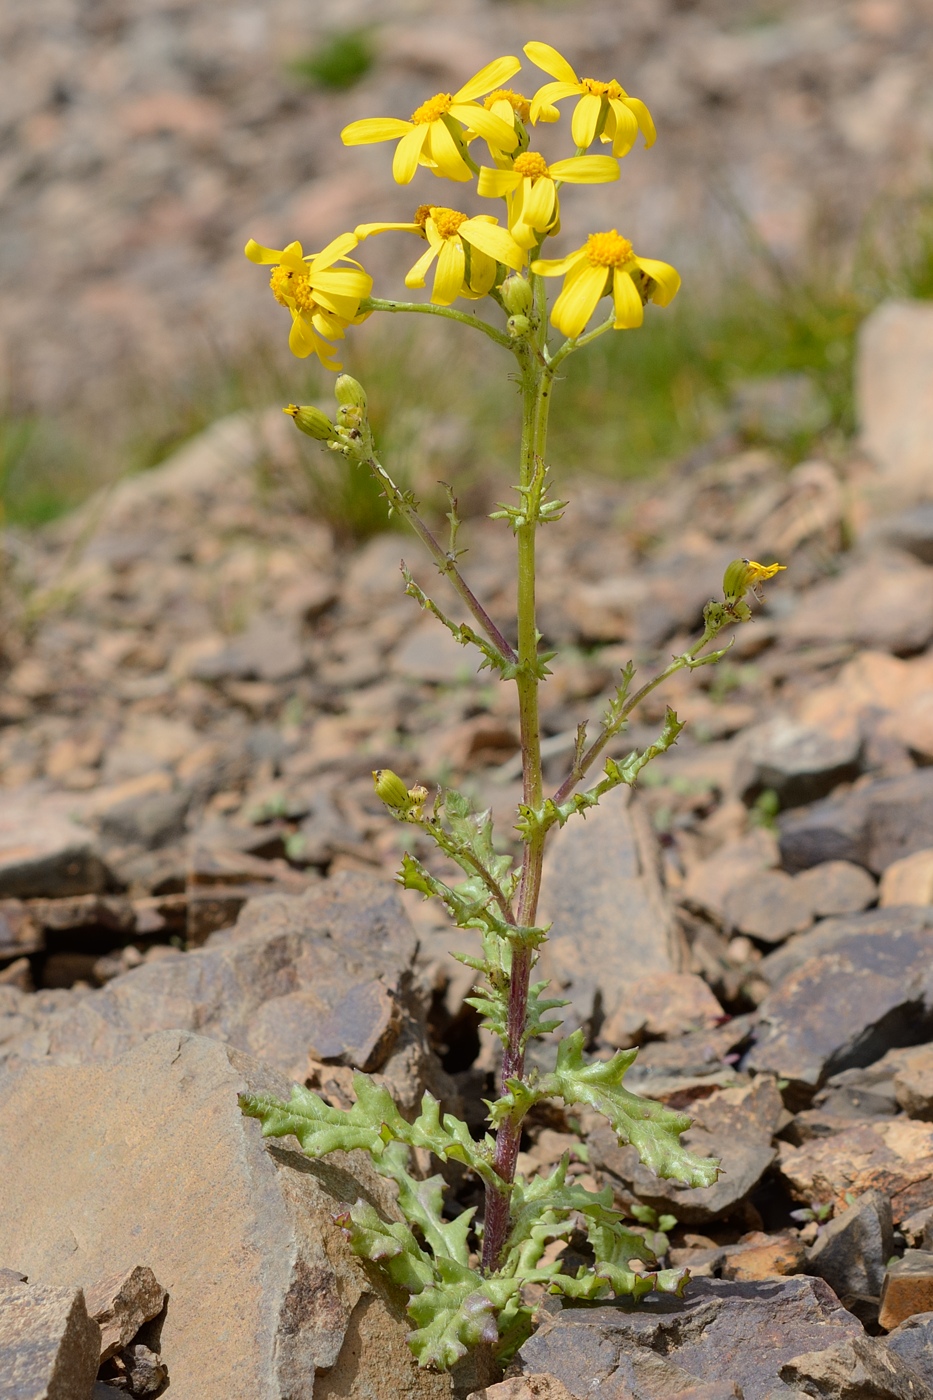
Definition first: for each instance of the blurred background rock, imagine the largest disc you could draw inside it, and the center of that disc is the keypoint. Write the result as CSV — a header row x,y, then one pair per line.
x,y
143,141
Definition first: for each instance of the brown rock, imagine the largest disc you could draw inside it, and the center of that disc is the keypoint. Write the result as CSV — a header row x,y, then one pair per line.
x,y
908,881
907,1288
430,653
709,882
121,1304
836,887
43,853
612,921
894,383
361,1030
524,1388
160,1151
853,1248
894,1156
852,1369
20,933
873,825
801,763
49,1347
661,1004
759,1256
895,608
767,905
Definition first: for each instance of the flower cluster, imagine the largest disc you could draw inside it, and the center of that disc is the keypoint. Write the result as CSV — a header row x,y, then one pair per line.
x,y
473,254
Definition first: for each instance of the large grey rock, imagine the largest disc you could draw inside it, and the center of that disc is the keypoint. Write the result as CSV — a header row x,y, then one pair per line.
x,y
735,1125
912,1344
720,1332
265,1298
872,826
612,920
293,968
894,393
49,1347
830,934
858,996
854,1247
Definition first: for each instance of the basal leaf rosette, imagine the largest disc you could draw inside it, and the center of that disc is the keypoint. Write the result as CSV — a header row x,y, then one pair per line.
x,y
435,135
530,186
323,298
467,251
607,263
605,109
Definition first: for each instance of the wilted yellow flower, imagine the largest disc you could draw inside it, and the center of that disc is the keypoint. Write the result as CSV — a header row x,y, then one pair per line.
x,y
604,108
744,574
322,298
432,137
530,189
605,263
467,251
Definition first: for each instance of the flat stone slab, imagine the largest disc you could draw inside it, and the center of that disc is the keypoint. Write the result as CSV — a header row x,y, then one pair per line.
x,y
892,1155
49,1347
871,826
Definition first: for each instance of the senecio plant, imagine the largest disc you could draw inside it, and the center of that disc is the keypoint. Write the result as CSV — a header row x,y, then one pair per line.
x,y
469,1280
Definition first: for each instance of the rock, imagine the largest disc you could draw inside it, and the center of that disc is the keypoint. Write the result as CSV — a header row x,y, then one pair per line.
x,y
844,1007
735,1125
144,1370
524,1388
912,1345
832,934
866,1091
836,887
853,1248
908,881
49,1347
872,826
721,1332
912,531
264,1293
780,406
917,1229
893,1156
361,1030
612,922
20,932
894,393
768,906
853,1369
907,1288
430,653
659,1005
153,820
270,650
708,884
42,853
798,762
759,1256
121,1304
895,610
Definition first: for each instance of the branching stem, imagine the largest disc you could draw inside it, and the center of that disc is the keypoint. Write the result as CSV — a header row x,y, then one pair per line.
x,y
427,308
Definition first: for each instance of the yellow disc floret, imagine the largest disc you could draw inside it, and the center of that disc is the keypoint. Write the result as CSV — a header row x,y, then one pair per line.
x,y
447,221
293,289
520,105
532,164
608,249
435,107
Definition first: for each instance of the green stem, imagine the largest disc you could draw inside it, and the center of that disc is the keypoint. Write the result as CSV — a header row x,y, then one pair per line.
x,y
427,308
569,346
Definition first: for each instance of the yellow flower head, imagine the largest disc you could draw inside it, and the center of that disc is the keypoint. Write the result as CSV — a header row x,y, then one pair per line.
x,y
530,186
435,135
604,109
606,263
322,298
743,575
467,251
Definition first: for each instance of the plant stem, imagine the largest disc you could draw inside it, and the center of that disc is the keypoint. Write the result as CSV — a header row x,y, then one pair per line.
x,y
536,391
429,309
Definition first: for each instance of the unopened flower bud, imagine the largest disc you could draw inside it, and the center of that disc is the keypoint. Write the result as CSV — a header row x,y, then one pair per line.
x,y
516,295
518,327
744,574
349,392
311,421
391,790
418,795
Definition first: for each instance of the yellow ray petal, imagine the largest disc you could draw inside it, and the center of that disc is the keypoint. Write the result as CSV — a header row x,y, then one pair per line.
x,y
585,119
643,117
628,308
586,170
543,100
343,282
497,242
621,128
337,248
495,184
494,75
416,275
556,267
578,300
372,129
547,58
442,149
408,152
258,254
486,124
364,230
539,201
666,277
301,338
448,279
482,272
326,324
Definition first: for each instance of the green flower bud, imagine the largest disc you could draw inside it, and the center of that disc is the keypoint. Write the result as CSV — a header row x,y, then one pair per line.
x,y
391,790
349,392
518,327
311,421
516,295
736,579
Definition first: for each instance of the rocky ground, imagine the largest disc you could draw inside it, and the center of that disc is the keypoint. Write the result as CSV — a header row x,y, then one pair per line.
x,y
196,898
143,145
